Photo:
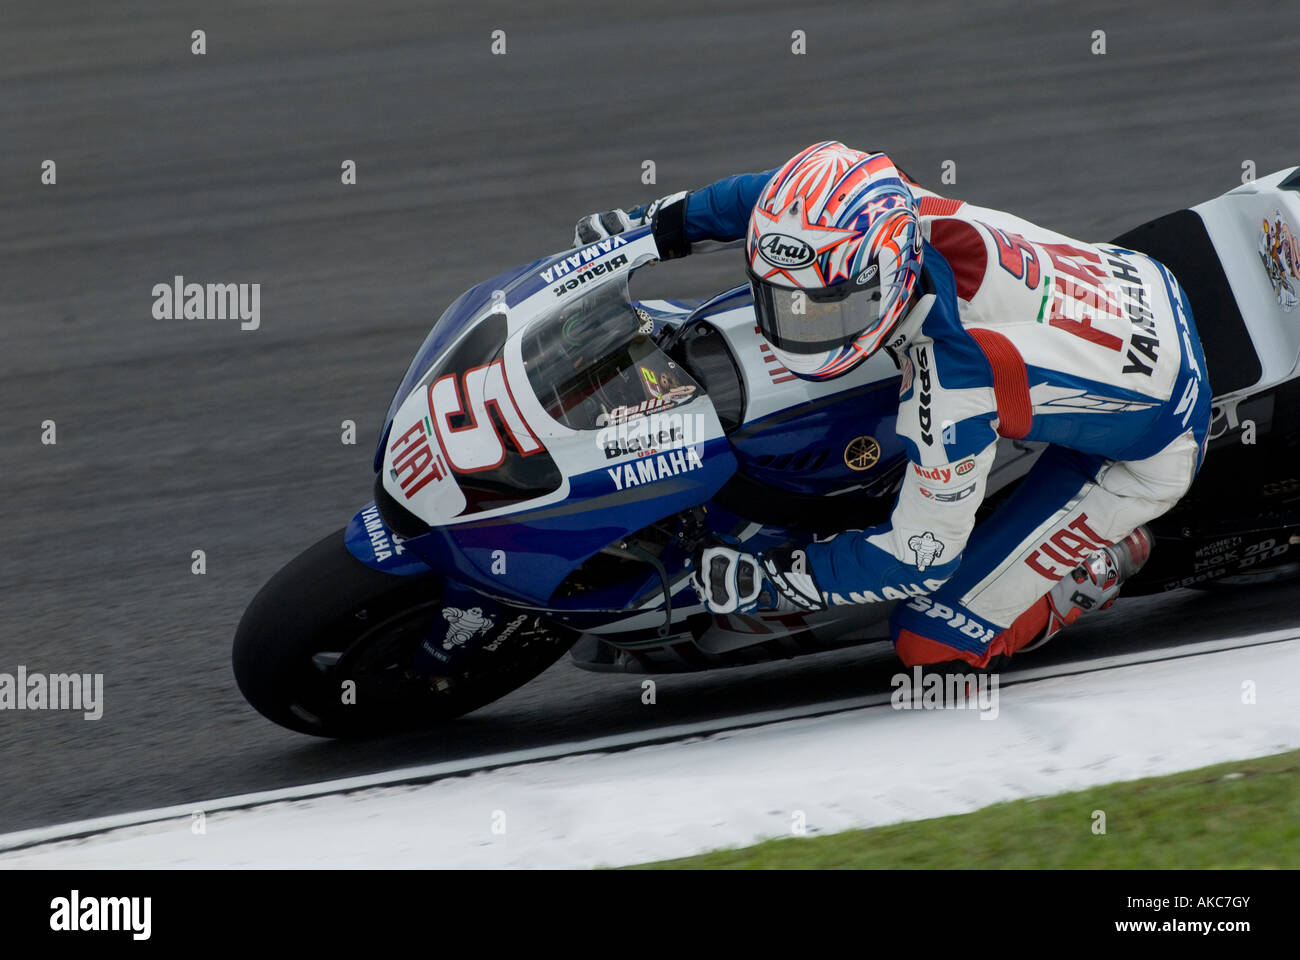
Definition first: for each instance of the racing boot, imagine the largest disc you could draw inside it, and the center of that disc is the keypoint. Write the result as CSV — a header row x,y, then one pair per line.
x,y
1095,583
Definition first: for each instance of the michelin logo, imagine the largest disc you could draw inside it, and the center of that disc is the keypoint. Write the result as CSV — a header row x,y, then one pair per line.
x,y
463,625
926,548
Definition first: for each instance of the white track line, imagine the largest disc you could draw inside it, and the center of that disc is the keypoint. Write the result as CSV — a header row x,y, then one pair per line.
x,y
624,741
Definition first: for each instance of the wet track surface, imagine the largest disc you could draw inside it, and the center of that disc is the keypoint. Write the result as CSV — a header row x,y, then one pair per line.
x,y
179,435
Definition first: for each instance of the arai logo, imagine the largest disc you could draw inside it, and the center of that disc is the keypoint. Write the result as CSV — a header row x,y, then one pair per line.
x,y
866,276
784,251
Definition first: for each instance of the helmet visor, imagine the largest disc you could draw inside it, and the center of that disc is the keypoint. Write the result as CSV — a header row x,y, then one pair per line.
x,y
814,321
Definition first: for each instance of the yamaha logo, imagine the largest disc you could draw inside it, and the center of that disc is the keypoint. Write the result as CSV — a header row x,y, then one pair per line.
x,y
862,453
785,251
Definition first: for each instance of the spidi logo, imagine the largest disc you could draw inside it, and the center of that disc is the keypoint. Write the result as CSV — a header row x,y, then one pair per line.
x,y
924,415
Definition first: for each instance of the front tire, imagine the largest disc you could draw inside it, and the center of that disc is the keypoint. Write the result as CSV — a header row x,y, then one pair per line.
x,y
325,646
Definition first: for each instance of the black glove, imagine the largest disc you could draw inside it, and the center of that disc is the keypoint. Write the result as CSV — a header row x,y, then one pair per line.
x,y
667,217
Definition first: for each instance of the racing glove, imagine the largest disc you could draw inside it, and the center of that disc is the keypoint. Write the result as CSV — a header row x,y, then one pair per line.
x,y
732,581
666,216
598,226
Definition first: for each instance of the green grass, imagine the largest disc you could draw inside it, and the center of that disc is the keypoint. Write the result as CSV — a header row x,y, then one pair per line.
x,y
1233,815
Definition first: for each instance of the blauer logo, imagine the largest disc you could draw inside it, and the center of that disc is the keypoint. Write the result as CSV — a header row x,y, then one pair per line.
x,y
579,258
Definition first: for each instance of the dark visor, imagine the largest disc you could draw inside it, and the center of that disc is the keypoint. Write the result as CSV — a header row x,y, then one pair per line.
x,y
814,321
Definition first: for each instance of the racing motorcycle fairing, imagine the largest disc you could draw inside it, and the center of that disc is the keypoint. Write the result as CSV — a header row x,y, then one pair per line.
x,y
552,426
585,441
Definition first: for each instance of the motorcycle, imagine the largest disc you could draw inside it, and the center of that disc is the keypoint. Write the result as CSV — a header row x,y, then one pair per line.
x,y
557,451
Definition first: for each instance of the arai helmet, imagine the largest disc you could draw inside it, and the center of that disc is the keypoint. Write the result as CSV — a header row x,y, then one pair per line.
x,y
834,252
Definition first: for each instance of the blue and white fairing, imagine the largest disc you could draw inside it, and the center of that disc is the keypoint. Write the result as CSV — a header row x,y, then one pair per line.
x,y
541,423
794,434
538,424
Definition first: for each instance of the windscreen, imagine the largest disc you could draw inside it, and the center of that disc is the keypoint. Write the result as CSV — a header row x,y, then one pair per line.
x,y
593,360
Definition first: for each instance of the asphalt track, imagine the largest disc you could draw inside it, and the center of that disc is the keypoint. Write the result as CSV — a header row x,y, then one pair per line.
x,y
182,435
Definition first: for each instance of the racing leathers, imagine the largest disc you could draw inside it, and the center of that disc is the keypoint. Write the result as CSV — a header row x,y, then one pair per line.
x,y
1023,333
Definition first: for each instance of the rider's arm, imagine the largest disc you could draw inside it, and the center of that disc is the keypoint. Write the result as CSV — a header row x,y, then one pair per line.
x,y
949,462
919,549
704,219
718,213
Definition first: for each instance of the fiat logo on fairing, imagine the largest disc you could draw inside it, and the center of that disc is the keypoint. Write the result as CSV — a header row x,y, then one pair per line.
x,y
784,251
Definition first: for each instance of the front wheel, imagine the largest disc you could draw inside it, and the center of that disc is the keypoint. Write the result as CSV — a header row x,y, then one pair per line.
x,y
326,646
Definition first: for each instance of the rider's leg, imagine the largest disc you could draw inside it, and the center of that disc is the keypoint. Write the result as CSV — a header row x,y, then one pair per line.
x,y
1066,512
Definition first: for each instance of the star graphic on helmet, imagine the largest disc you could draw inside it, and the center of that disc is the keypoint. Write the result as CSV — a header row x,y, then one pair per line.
x,y
795,217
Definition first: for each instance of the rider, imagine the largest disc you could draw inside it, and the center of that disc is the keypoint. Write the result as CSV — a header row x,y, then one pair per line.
x,y
1000,328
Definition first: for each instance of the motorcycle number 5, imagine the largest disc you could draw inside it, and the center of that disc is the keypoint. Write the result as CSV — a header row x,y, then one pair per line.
x,y
473,397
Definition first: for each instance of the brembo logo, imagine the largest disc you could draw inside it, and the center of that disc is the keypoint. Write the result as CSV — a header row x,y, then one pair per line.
x,y
783,251
923,372
510,628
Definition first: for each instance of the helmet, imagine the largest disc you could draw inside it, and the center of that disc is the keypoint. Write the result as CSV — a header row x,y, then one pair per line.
x,y
841,227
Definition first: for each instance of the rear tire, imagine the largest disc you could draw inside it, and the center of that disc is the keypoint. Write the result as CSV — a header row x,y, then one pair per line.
x,y
326,619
